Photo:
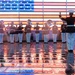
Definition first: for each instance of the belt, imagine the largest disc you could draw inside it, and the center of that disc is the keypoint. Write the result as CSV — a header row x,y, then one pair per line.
x,y
70,26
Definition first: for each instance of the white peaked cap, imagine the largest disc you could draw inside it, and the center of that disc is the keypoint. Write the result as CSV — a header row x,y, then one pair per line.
x,y
71,11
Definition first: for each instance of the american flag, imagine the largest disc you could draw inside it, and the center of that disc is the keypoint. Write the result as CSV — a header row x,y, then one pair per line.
x,y
36,10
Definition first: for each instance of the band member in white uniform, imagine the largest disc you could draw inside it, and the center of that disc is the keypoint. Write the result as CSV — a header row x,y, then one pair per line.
x,y
12,31
8,32
50,23
20,32
63,32
70,30
16,34
37,32
28,32
55,32
1,31
46,32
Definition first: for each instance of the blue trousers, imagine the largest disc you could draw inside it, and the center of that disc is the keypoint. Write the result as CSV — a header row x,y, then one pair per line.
x,y
70,38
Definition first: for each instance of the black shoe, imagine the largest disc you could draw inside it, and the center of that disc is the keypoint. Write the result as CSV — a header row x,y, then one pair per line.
x,y
54,42
46,42
28,42
37,55
69,71
20,42
63,42
37,42
71,51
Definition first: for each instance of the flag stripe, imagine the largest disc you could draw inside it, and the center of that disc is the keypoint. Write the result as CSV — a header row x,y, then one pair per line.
x,y
31,13
24,19
53,7
52,10
54,3
29,16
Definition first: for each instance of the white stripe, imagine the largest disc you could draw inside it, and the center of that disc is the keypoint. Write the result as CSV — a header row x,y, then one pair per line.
x,y
31,13
9,12
70,25
50,1
31,19
54,0
53,7
70,0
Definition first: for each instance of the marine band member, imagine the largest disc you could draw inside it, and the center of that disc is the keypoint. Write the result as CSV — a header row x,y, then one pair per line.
x,y
37,32
55,32
8,32
20,32
28,32
16,34
12,32
46,33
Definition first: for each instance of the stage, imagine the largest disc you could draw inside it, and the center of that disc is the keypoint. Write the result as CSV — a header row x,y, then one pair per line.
x,y
33,59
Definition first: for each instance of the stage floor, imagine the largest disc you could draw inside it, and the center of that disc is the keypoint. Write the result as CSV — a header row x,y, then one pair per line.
x,y
33,59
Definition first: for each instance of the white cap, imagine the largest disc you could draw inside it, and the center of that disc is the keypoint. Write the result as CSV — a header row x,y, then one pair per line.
x,y
71,11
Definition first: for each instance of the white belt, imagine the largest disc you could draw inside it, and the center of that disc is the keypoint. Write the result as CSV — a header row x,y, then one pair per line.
x,y
70,25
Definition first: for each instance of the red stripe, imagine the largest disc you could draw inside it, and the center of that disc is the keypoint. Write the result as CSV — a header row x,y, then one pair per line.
x,y
52,10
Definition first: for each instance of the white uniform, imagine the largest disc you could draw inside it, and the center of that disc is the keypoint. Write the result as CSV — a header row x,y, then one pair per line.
x,y
46,33
54,31
37,34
